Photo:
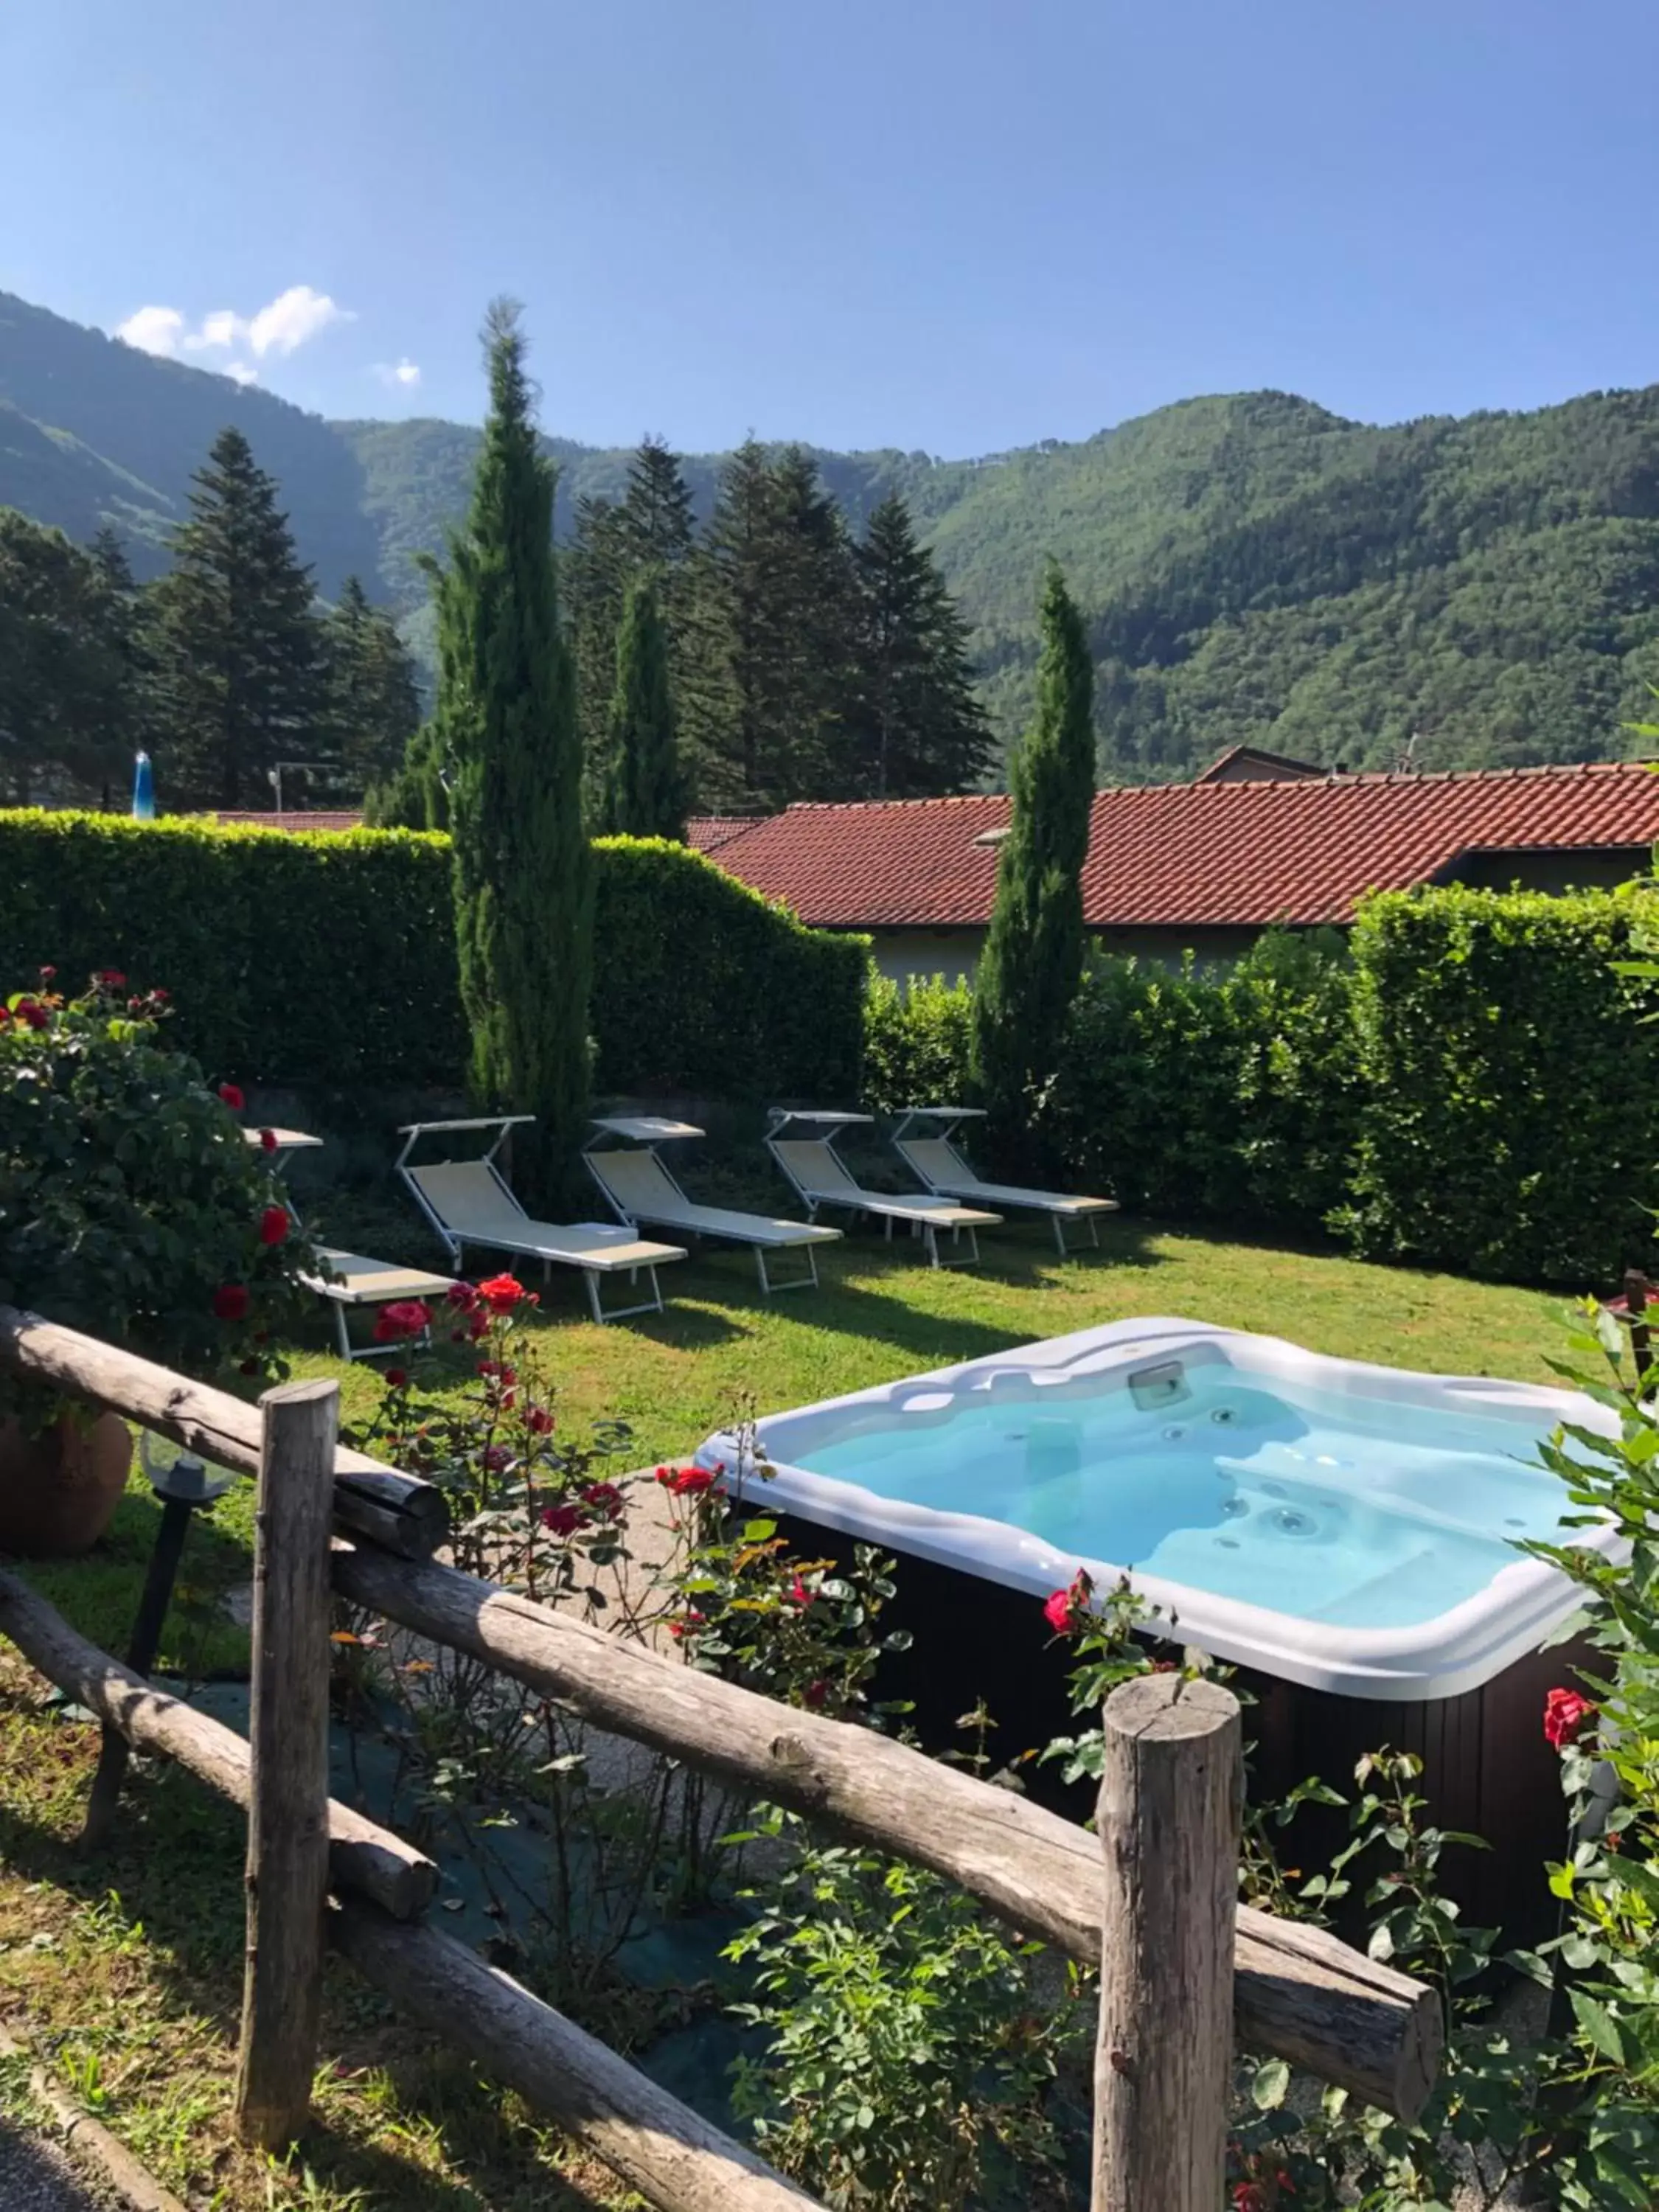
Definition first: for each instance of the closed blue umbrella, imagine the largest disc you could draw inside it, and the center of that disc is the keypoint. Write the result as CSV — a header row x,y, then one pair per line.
x,y
143,791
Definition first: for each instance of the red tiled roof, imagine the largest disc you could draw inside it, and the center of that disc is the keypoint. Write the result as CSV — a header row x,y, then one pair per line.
x,y
269,819
1217,854
707,833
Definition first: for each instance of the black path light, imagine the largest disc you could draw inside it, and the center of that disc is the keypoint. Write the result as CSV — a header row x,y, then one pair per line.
x,y
184,1485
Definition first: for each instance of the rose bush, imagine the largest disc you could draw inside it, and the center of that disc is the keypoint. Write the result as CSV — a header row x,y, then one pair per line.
x,y
131,1204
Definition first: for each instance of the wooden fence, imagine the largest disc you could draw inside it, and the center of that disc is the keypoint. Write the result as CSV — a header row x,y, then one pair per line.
x,y
1185,1971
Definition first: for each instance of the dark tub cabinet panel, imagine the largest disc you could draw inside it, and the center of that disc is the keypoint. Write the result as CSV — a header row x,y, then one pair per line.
x,y
1487,1769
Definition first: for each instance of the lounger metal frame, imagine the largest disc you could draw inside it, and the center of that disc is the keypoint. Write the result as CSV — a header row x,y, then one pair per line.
x,y
349,1350
455,1244
823,1126
945,1124
594,1149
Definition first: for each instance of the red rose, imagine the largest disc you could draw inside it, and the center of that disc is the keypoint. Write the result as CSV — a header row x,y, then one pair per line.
x,y
478,1326
501,1293
230,1302
402,1317
603,1496
112,979
497,1457
47,974
693,1619
231,1096
815,1693
1065,1610
5,1013
31,1011
799,1595
397,1378
273,1224
685,1481
249,1367
1564,1714
461,1294
539,1421
267,1140
562,1520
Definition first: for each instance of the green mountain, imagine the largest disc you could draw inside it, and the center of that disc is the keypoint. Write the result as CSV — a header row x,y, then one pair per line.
x,y
1253,569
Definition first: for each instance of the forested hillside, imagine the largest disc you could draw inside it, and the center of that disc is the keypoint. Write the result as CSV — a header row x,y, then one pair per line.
x,y
1250,568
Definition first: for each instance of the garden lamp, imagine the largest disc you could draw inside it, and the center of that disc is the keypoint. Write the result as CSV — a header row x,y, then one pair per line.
x,y
183,1483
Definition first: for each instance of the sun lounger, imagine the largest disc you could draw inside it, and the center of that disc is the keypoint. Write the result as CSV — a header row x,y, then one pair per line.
x,y
640,1188
349,1280
925,1140
819,1174
468,1202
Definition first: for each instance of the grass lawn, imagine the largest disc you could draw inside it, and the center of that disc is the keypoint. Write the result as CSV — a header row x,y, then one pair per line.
x,y
124,1966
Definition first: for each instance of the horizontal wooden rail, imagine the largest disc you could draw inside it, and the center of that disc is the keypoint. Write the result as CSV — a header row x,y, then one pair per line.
x,y
1299,1992
660,2147
361,1856
398,1512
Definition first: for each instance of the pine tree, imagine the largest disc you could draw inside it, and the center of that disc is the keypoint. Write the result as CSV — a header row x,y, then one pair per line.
x,y
238,648
594,570
66,703
1032,961
373,707
646,795
506,727
921,728
778,605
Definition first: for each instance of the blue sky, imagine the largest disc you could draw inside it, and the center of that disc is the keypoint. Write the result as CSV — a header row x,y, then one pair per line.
x,y
957,225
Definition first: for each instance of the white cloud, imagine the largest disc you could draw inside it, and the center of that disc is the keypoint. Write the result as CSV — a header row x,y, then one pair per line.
x,y
280,327
393,375
154,329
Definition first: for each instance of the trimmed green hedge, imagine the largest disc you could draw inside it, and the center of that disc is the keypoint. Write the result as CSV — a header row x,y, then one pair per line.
x,y
1470,1085
329,957
700,985
1511,1084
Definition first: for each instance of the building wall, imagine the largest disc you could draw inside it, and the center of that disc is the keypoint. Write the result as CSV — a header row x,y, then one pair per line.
x,y
1596,868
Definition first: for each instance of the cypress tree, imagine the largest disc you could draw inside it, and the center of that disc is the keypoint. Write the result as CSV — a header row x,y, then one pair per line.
x,y
238,649
1032,961
645,796
922,729
506,726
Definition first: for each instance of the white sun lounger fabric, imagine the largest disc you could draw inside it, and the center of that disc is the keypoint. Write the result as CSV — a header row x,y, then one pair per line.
x,y
641,1189
943,1168
821,1177
350,1279
467,1201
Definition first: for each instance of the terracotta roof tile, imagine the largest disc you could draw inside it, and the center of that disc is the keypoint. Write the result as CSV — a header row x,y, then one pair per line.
x,y
707,833
1239,854
318,819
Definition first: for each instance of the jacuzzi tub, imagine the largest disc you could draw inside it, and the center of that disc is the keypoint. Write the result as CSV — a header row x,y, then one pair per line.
x,y
1347,1527
1343,1534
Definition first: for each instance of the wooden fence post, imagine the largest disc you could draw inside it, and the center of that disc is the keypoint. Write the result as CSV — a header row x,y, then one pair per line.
x,y
1171,1799
288,1807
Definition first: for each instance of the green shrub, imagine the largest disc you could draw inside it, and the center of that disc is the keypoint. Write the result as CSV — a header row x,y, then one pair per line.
x,y
916,1046
1509,1116
700,985
328,958
132,1205
1290,1003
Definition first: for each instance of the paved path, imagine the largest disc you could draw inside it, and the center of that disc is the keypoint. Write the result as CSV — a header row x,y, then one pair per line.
x,y
36,2177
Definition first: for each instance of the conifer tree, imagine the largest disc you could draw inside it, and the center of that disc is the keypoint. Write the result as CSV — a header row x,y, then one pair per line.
x,y
594,571
238,648
373,707
504,727
1032,961
646,795
65,694
921,727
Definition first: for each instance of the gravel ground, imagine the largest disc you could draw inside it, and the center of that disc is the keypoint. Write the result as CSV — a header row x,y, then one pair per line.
x,y
36,2177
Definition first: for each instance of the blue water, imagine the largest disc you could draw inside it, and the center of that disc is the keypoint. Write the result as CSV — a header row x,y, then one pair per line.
x,y
1362,1513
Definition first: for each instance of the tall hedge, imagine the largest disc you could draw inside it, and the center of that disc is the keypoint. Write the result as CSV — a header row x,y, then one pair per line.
x,y
700,985
329,957
1510,1122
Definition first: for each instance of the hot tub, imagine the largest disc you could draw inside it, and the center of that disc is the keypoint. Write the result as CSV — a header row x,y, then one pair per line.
x,y
1345,1534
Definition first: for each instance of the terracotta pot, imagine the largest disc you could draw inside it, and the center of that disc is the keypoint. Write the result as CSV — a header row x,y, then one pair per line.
x,y
59,1490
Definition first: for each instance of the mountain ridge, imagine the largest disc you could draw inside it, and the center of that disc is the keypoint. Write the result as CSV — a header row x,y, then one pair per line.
x,y
1252,566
